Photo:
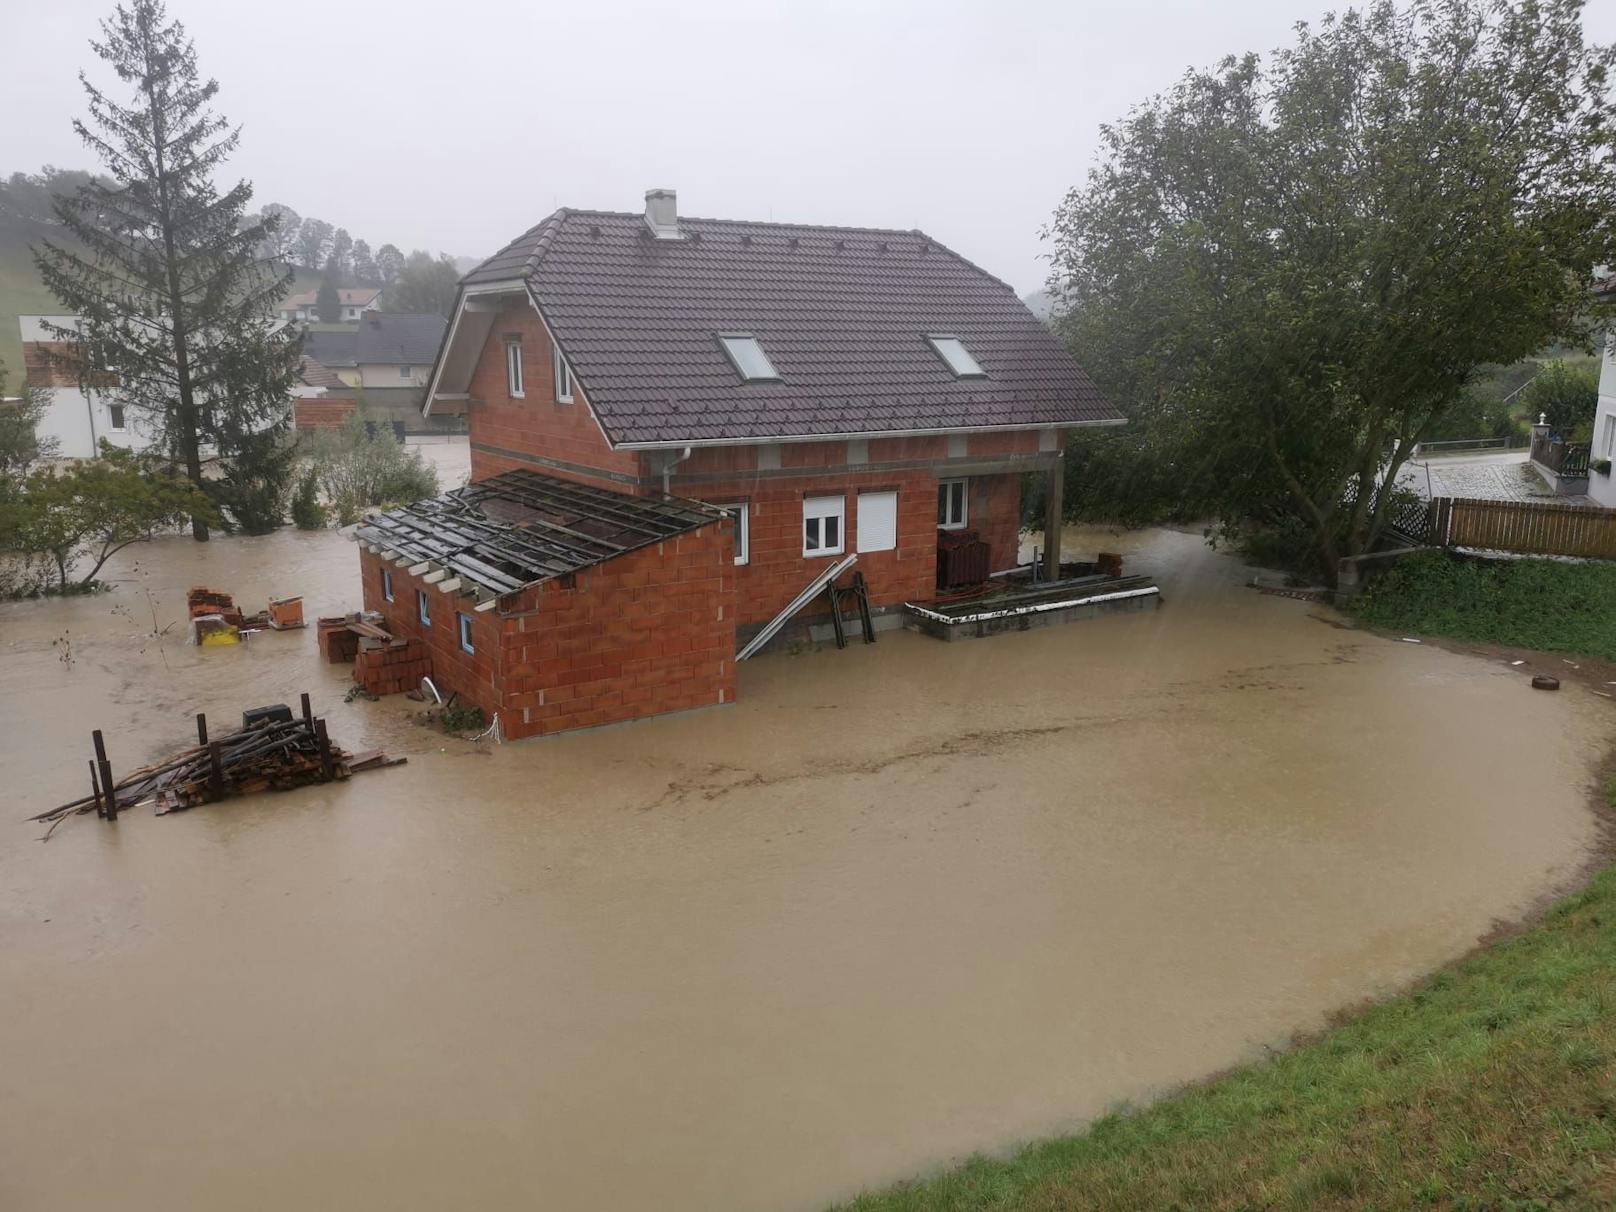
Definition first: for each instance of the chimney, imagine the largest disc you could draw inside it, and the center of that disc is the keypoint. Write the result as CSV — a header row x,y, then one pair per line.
x,y
662,213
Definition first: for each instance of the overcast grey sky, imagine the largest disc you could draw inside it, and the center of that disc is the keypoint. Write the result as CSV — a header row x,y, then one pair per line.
x,y
456,125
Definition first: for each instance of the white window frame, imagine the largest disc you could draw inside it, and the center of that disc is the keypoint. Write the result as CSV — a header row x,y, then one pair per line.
x,y
819,509
387,584
563,376
867,539
117,418
945,345
463,626
423,607
945,522
513,369
406,372
735,346
741,511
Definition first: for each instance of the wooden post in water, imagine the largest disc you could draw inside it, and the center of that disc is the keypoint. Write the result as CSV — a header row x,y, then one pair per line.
x,y
324,742
201,728
109,789
95,790
308,712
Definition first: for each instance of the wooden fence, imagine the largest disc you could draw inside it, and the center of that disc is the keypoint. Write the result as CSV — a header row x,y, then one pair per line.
x,y
1527,527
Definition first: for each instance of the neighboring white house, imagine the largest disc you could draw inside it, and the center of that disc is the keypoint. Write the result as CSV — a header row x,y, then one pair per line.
x,y
353,301
1602,486
80,418
77,418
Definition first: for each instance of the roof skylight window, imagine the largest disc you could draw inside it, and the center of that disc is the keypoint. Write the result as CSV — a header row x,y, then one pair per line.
x,y
952,351
748,356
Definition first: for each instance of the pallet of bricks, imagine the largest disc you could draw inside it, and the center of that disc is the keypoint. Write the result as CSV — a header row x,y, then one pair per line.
x,y
339,636
391,666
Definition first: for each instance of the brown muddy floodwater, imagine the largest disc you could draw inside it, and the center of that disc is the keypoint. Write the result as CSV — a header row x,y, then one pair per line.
x,y
899,904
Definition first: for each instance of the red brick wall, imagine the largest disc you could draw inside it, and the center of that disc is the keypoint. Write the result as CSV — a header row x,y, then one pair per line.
x,y
474,677
994,512
649,632
321,414
777,569
534,424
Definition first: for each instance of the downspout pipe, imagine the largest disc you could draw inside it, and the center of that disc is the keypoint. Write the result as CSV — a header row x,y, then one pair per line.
x,y
669,465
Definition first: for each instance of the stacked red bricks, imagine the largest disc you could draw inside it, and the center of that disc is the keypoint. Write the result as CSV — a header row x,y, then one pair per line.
x,y
391,666
202,600
337,644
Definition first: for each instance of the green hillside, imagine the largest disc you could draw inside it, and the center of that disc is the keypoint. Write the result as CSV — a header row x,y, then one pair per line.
x,y
21,293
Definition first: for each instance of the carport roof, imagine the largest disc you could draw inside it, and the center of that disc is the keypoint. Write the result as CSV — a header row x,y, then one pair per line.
x,y
514,530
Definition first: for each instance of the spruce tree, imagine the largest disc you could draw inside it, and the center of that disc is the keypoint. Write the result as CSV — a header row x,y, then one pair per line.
x,y
167,278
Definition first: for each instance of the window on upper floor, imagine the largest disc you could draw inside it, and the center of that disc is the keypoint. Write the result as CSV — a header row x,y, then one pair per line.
x,y
563,378
463,622
513,368
958,359
115,413
951,504
877,521
748,358
387,584
823,525
423,607
743,528
405,372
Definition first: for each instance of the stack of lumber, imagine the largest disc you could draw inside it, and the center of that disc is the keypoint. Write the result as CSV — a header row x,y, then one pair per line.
x,y
269,754
391,666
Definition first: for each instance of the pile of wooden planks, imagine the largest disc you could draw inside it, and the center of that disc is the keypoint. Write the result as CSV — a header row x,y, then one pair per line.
x,y
273,751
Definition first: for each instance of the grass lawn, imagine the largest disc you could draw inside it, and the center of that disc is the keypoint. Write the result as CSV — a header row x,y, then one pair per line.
x,y
1492,1086
1540,604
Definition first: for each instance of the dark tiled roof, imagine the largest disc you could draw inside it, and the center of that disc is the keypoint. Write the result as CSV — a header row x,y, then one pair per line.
x,y
331,347
516,529
399,337
382,337
842,312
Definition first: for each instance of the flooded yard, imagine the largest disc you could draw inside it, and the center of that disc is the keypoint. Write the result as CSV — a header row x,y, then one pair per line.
x,y
899,903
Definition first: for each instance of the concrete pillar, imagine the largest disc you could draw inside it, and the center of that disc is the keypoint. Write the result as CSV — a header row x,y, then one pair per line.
x,y
1054,490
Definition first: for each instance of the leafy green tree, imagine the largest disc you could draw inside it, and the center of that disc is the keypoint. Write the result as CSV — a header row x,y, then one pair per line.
x,y
308,513
173,297
1288,271
313,243
364,265
327,302
359,467
82,516
424,284
389,264
1566,396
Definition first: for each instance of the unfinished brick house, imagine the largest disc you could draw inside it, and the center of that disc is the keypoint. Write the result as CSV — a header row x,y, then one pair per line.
x,y
836,391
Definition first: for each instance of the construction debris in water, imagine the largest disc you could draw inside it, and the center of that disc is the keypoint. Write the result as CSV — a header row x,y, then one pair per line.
x,y
216,619
271,751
